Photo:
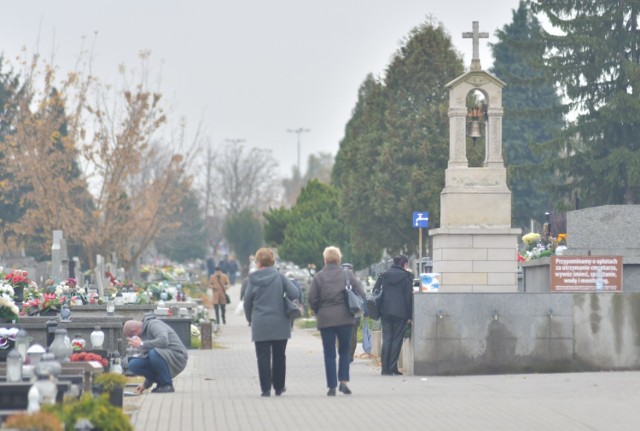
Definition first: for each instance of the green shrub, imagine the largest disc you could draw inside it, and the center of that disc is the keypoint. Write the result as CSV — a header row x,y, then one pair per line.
x,y
195,342
110,381
98,410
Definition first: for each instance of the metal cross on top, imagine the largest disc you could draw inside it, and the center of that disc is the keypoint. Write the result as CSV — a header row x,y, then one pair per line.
x,y
476,36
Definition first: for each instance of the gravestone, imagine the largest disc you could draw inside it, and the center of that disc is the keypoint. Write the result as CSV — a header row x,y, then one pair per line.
x,y
604,230
59,257
99,273
474,249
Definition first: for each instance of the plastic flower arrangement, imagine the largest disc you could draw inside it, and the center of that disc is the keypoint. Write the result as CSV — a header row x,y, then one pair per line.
x,y
69,288
8,337
6,290
41,303
538,246
19,279
9,311
88,356
78,345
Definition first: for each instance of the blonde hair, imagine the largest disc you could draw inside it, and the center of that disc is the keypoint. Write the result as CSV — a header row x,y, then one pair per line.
x,y
332,254
265,257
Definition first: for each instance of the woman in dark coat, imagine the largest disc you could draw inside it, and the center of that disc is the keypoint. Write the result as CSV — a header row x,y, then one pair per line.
x,y
328,301
270,325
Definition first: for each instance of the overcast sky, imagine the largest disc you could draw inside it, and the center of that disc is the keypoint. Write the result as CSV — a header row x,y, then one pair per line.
x,y
248,69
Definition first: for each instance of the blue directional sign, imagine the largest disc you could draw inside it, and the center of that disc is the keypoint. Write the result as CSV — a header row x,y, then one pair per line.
x,y
420,219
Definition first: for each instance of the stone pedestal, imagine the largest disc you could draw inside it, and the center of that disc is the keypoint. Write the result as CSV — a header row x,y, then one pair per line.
x,y
476,260
206,336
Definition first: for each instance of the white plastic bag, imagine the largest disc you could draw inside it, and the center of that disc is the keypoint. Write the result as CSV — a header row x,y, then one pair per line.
x,y
240,308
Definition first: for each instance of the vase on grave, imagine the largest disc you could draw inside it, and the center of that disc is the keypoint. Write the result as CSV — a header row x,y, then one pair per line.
x,y
97,338
61,345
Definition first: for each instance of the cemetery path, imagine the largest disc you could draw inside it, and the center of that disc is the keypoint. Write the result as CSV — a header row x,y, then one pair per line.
x,y
219,390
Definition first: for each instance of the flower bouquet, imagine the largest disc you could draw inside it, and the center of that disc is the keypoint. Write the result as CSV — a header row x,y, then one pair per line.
x,y
9,311
88,356
43,303
19,281
538,246
75,294
18,278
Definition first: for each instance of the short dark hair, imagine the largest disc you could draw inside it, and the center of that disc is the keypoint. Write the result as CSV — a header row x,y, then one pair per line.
x,y
400,260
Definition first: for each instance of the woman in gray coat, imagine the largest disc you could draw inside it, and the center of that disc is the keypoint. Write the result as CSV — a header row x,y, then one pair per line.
x,y
327,299
270,325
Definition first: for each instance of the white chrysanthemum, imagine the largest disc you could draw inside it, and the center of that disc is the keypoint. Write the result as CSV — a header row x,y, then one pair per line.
x,y
6,289
195,331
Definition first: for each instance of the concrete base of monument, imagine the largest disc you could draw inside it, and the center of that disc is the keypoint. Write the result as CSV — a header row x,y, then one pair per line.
x,y
502,333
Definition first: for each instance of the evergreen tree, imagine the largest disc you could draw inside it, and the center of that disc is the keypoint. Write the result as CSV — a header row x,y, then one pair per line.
x,y
314,224
244,233
186,242
10,208
277,220
529,119
392,159
593,51
355,169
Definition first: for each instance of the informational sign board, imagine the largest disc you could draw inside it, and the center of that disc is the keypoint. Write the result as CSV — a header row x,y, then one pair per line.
x,y
420,219
586,273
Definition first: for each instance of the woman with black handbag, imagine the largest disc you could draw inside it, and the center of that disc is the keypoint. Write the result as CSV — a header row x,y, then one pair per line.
x,y
328,300
270,325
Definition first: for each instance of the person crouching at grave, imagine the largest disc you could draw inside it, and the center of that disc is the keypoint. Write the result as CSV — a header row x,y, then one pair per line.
x,y
162,354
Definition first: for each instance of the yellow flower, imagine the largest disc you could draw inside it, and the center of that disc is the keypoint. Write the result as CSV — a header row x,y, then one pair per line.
x,y
531,238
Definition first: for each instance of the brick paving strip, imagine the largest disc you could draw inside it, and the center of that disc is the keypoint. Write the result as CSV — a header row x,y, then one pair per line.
x,y
219,390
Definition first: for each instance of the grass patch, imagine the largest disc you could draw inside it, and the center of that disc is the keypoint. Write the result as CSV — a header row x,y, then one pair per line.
x,y
196,342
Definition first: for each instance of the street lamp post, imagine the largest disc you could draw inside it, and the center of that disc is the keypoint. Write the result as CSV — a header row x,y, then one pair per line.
x,y
298,131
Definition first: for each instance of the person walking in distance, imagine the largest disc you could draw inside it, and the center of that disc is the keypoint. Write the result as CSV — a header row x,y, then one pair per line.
x,y
328,300
219,283
270,325
396,311
232,270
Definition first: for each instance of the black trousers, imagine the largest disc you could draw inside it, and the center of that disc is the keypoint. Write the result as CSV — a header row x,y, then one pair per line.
x,y
220,308
272,364
393,329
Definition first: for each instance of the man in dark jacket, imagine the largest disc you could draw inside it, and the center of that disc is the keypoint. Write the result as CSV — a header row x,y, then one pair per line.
x,y
163,355
397,310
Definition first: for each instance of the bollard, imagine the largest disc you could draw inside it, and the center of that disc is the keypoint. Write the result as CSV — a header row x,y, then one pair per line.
x,y
205,336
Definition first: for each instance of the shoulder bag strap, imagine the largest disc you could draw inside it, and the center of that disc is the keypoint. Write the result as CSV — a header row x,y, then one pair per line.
x,y
347,283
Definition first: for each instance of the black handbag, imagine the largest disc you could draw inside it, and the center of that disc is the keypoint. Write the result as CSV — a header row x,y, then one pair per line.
x,y
292,308
355,303
374,302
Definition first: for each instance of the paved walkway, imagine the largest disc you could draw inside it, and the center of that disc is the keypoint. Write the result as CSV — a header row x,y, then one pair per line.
x,y
219,390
